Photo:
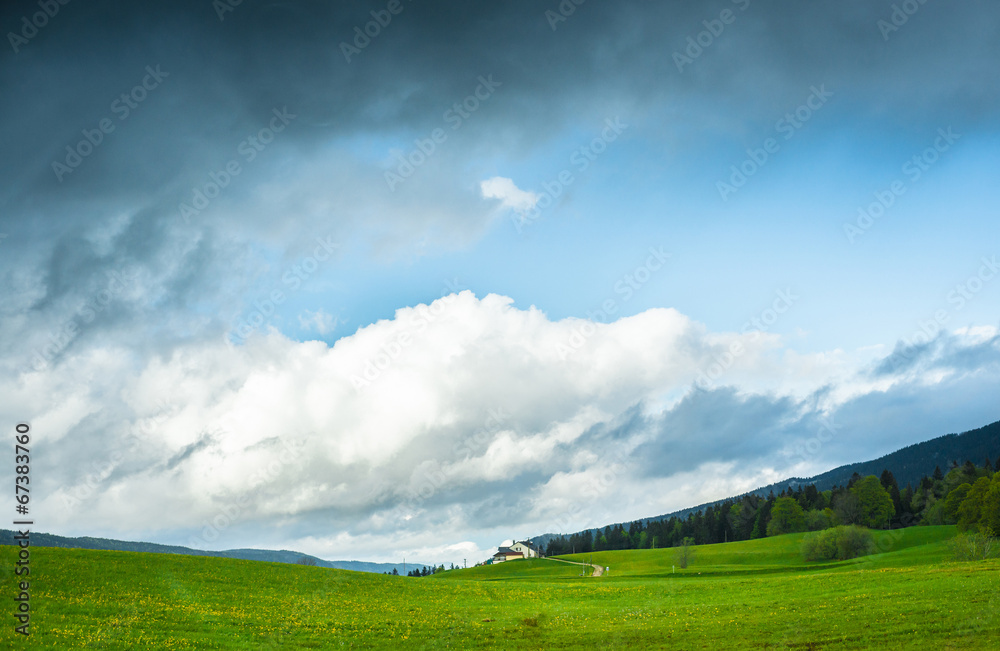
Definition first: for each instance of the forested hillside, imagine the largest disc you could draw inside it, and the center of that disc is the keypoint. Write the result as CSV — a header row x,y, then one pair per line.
x,y
710,523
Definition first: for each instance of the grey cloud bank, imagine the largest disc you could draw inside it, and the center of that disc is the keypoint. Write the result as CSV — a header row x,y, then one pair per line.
x,y
169,165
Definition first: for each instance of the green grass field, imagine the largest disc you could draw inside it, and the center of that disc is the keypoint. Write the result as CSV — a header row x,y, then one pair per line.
x,y
753,595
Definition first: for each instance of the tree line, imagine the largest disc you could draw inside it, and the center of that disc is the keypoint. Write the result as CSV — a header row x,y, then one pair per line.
x,y
967,495
424,570
427,571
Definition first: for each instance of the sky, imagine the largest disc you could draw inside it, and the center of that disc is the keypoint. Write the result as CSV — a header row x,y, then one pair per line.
x,y
390,279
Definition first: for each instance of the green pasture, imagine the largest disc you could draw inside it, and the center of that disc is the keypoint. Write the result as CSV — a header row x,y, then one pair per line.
x,y
756,594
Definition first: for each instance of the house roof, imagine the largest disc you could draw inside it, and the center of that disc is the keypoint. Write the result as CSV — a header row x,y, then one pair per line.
x,y
508,551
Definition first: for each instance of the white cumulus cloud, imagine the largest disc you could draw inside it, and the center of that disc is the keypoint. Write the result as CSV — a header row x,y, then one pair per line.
x,y
510,196
453,425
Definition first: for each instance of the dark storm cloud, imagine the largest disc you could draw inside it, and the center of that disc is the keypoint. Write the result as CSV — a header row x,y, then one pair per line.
x,y
910,411
945,352
206,84
224,77
720,426
983,355
904,356
761,430
204,441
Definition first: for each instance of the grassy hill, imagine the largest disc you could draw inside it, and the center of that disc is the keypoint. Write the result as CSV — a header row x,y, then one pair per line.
x,y
776,554
530,569
753,594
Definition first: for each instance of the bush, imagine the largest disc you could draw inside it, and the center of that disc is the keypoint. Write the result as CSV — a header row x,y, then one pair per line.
x,y
841,543
853,542
973,546
820,546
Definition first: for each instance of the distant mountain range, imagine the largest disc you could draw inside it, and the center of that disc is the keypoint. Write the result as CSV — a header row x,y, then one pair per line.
x,y
266,555
908,465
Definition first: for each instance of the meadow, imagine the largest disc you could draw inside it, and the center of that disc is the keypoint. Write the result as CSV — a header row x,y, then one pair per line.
x,y
756,594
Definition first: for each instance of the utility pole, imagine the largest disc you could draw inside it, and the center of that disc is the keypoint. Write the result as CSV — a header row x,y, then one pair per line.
x,y
465,563
404,565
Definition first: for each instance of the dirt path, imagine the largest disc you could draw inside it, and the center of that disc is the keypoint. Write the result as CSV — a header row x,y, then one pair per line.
x,y
598,569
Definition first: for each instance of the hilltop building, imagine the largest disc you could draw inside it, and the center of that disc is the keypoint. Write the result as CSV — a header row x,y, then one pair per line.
x,y
518,550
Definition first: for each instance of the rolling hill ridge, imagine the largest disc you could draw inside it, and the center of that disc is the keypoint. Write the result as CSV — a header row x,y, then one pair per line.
x,y
266,555
908,465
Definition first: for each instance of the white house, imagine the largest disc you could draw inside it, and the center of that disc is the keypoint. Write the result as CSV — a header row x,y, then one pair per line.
x,y
526,548
506,554
518,550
